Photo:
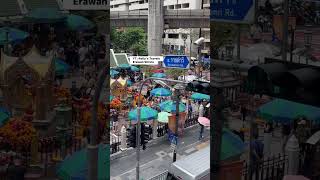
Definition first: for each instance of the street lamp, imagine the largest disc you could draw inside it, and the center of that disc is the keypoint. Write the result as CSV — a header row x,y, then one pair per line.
x,y
184,37
307,43
177,88
229,50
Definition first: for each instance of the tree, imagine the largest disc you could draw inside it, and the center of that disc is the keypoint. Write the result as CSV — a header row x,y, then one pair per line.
x,y
129,40
220,34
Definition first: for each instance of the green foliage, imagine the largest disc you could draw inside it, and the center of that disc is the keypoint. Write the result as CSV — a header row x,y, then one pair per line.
x,y
129,40
175,73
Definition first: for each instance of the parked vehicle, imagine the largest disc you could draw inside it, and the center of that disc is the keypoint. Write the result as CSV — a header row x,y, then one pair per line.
x,y
193,167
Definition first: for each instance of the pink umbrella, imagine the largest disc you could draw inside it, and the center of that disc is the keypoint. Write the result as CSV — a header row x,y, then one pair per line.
x,y
292,177
204,121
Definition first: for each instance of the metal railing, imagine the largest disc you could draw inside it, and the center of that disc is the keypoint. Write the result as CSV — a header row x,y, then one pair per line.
x,y
161,176
162,130
272,168
168,14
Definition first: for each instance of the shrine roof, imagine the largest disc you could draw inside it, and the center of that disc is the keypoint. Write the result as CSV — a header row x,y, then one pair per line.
x,y
33,59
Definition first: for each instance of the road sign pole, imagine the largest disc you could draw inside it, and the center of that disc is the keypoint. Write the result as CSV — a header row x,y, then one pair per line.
x,y
177,91
238,42
138,136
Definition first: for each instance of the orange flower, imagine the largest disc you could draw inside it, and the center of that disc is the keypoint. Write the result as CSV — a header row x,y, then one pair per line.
x,y
17,132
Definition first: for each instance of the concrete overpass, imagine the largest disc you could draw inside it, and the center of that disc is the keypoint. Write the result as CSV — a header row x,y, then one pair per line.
x,y
173,19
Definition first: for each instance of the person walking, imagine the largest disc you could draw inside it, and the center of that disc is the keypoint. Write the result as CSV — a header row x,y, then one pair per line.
x,y
303,133
201,131
267,138
244,114
286,130
201,110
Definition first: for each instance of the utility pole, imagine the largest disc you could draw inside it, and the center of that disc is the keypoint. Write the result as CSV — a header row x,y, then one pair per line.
x,y
103,76
177,123
285,30
216,113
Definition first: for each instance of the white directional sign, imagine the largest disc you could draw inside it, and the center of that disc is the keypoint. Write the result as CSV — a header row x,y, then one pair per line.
x,y
173,147
86,4
145,60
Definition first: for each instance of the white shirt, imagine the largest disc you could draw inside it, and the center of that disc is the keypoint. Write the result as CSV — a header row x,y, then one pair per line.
x,y
201,110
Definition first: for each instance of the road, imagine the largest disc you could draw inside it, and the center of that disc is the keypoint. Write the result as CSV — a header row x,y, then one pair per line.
x,y
156,159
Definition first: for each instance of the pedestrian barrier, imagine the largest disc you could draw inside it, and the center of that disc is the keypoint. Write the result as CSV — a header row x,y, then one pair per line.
x,y
272,168
162,176
162,130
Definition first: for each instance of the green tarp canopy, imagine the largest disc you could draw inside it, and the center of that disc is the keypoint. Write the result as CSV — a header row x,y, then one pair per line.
x,y
76,165
284,111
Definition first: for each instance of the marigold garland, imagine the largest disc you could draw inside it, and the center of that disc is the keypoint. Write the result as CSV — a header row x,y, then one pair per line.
x,y
18,133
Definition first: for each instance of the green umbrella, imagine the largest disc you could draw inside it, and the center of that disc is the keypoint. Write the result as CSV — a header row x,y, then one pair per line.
x,y
61,67
75,166
78,23
45,15
200,96
284,111
146,113
163,117
124,66
231,145
4,118
159,75
170,106
8,35
111,98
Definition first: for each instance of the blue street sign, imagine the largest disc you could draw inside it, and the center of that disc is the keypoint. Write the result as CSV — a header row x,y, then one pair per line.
x,y
236,11
173,139
176,61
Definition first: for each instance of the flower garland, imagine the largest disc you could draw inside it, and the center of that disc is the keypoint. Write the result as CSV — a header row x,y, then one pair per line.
x,y
115,104
18,133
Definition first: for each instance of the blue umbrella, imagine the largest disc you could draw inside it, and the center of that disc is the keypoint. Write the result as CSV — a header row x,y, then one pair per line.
x,y
2,109
8,35
134,68
161,92
4,116
170,106
159,75
61,67
111,98
200,96
146,113
113,72
129,83
124,66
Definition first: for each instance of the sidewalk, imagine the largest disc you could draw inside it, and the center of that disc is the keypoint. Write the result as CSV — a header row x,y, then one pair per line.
x,y
156,159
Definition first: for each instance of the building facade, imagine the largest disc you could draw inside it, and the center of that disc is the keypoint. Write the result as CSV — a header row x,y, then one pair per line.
x,y
175,41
